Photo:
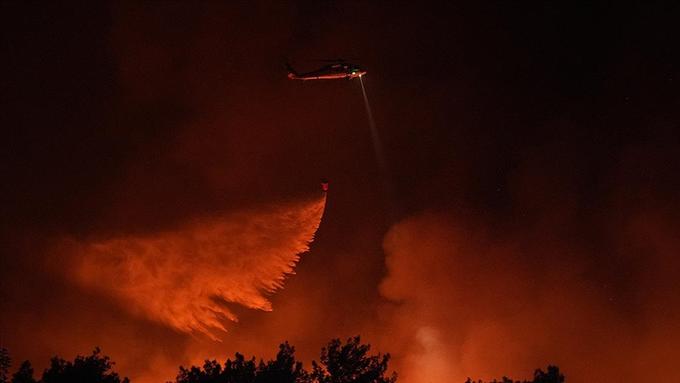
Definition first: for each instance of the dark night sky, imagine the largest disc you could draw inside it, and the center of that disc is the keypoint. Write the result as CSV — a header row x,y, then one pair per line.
x,y
549,133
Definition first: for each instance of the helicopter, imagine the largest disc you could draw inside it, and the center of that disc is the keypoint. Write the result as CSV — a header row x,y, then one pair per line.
x,y
337,69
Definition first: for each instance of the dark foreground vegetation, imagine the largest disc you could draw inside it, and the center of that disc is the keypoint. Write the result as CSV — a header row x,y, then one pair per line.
x,y
338,363
553,375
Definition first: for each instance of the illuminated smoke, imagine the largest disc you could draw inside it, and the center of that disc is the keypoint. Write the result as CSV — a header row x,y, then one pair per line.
x,y
468,304
185,278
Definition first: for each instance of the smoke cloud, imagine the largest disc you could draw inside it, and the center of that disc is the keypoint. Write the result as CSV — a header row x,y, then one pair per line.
x,y
467,303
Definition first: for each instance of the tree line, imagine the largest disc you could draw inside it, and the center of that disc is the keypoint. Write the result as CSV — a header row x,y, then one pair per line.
x,y
349,362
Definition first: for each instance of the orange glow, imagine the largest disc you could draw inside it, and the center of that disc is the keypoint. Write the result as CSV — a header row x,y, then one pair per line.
x,y
467,304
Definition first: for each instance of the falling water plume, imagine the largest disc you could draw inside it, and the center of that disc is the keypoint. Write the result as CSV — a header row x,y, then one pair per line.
x,y
186,277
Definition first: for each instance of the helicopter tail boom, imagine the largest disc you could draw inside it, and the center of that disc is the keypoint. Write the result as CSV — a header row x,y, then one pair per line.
x,y
292,74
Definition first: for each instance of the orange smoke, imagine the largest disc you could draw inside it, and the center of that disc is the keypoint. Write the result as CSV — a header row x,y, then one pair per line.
x,y
185,278
467,303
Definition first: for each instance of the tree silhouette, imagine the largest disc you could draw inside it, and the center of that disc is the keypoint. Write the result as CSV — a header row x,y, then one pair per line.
x,y
238,370
350,363
24,374
5,363
338,363
553,375
95,368
283,369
